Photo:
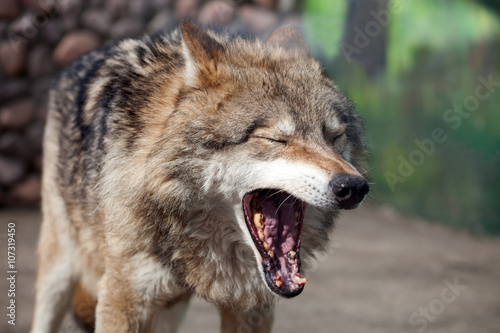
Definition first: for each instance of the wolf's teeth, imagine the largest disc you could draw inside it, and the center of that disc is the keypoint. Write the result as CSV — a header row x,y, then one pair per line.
x,y
292,254
271,253
260,232
266,246
258,220
300,279
279,283
296,223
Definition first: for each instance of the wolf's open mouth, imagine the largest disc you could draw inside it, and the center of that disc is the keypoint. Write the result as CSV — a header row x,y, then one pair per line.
x,y
274,219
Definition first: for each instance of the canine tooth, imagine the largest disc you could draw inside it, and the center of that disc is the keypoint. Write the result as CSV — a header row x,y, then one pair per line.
x,y
279,283
297,216
271,253
266,246
292,254
300,279
258,218
296,226
260,232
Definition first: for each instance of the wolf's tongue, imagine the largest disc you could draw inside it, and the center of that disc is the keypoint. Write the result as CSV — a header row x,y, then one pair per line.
x,y
279,236
282,220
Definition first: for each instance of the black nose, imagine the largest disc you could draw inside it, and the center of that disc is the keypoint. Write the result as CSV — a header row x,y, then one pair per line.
x,y
349,190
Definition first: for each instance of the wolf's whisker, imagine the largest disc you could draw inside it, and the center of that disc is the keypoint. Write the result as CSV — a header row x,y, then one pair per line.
x,y
277,209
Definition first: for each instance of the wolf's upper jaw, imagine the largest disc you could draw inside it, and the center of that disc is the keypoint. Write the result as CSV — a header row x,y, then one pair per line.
x,y
274,219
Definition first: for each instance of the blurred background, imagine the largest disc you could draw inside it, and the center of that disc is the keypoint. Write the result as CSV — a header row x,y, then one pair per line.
x,y
424,75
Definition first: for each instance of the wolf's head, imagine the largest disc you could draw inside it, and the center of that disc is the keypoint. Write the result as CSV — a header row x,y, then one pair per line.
x,y
272,137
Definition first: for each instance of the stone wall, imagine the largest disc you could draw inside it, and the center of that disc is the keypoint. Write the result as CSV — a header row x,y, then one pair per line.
x,y
40,37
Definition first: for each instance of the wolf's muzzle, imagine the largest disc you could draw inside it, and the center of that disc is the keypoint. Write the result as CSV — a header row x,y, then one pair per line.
x,y
349,190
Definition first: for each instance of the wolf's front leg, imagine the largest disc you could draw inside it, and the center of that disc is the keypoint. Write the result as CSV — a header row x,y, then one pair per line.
x,y
56,276
256,321
131,292
121,308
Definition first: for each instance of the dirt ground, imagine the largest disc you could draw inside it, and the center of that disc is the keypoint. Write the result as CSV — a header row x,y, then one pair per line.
x,y
384,273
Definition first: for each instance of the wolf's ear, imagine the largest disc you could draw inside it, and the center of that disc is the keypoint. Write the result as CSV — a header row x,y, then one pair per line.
x,y
201,53
289,37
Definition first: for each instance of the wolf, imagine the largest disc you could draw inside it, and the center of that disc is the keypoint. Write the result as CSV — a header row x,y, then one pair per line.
x,y
191,163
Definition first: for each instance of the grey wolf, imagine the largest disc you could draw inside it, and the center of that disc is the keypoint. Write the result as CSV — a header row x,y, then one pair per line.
x,y
191,163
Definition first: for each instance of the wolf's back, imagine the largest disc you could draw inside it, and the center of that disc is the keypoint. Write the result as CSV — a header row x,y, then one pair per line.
x,y
77,129
97,105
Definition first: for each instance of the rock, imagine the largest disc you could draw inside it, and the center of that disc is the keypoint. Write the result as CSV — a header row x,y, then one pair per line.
x,y
37,163
25,27
162,21
162,4
17,114
12,60
40,19
28,191
186,9
70,13
11,171
34,136
3,28
139,8
41,112
12,89
96,3
36,5
40,62
270,4
97,20
39,92
259,20
52,32
286,6
69,7
12,144
117,8
127,27
74,44
216,13
51,7
9,9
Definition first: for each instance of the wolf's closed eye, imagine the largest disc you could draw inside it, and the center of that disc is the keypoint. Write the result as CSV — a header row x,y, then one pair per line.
x,y
336,137
271,139
269,135
284,142
339,141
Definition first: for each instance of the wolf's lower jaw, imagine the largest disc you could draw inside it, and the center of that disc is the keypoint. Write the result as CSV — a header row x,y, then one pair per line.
x,y
274,219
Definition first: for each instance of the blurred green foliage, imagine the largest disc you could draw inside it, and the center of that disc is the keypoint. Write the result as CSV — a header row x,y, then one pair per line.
x,y
438,54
